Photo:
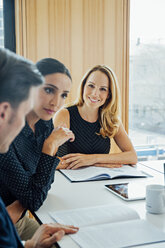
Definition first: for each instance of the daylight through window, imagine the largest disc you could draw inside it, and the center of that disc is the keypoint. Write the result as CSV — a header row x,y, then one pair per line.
x,y
147,78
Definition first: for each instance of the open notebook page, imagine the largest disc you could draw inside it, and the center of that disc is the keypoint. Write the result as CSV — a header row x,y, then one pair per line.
x,y
118,235
94,215
96,173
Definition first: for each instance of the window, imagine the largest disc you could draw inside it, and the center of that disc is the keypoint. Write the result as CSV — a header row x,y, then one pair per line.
x,y
1,25
9,24
147,78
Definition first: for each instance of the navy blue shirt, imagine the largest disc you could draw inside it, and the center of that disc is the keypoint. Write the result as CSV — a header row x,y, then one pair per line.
x,y
8,234
26,174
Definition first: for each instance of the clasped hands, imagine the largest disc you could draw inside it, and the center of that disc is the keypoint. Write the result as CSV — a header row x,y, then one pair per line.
x,y
74,160
77,160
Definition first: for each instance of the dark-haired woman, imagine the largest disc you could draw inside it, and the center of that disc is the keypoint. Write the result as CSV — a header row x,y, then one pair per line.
x,y
27,169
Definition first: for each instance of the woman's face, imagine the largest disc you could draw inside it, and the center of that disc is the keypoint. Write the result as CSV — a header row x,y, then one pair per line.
x,y
51,96
96,89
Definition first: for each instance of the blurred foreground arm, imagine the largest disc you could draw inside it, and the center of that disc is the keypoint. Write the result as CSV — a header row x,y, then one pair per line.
x,y
15,211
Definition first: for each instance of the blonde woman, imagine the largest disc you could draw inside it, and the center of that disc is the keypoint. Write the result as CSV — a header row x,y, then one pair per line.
x,y
94,120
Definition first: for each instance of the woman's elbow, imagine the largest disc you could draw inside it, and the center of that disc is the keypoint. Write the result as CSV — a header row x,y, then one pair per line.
x,y
34,203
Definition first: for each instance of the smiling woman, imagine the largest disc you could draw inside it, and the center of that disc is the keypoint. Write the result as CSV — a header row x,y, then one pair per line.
x,y
94,120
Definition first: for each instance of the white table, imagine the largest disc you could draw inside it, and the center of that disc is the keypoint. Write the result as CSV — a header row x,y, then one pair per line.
x,y
157,165
65,195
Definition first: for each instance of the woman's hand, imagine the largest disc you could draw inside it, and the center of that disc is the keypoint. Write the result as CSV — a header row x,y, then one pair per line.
x,y
77,160
62,164
58,137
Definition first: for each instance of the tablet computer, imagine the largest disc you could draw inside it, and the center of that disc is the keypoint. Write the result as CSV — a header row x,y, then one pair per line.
x,y
128,191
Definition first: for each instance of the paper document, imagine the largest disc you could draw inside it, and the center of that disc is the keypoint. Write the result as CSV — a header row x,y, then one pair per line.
x,y
119,235
114,226
94,215
93,173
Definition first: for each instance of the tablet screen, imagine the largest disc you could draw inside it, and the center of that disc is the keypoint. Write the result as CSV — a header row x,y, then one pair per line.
x,y
128,191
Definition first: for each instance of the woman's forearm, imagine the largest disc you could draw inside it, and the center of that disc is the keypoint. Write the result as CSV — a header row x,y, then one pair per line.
x,y
127,157
15,211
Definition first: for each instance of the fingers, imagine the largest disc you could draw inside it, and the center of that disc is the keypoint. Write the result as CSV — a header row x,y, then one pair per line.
x,y
72,226
64,131
64,165
70,155
75,162
61,165
57,236
65,228
69,133
70,159
71,165
70,136
57,138
69,229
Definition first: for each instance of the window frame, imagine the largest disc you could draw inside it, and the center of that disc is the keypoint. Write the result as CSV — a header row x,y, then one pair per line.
x,y
9,24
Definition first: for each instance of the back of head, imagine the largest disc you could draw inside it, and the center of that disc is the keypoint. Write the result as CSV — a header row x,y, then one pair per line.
x,y
17,76
50,66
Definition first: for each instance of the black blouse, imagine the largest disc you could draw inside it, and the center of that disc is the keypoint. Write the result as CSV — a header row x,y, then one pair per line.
x,y
87,140
26,174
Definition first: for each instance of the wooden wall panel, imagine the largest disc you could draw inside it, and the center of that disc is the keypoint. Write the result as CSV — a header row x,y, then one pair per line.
x,y
93,33
77,46
80,33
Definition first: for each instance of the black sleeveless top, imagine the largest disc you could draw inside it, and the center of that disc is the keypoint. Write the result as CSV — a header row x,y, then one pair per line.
x,y
87,141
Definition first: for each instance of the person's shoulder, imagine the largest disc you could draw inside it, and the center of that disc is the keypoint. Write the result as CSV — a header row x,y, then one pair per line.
x,y
61,118
64,112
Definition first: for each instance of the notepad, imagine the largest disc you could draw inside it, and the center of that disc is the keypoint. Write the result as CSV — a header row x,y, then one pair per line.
x,y
109,226
93,173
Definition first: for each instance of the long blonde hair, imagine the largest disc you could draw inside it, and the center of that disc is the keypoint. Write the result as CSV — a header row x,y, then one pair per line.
x,y
109,112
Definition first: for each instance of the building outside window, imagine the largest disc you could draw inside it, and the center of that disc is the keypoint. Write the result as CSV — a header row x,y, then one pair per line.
x,y
1,25
147,78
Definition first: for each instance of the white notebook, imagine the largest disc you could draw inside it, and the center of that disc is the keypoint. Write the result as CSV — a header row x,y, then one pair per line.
x,y
109,226
93,173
